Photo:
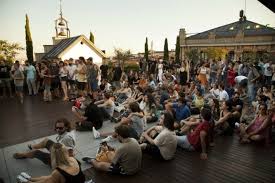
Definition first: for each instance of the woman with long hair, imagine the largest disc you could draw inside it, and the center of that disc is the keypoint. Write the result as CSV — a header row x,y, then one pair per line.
x,y
257,129
66,169
148,105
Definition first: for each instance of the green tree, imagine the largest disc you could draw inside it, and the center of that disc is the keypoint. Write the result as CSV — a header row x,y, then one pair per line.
x,y
92,38
146,52
216,53
122,55
193,56
29,47
8,51
166,51
177,59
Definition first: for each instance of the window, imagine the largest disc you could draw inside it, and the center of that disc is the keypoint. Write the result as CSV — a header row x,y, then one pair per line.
x,y
231,28
257,26
248,27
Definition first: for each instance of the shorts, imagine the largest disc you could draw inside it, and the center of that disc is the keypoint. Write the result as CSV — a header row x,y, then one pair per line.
x,y
65,78
116,169
5,82
71,82
44,156
81,85
19,88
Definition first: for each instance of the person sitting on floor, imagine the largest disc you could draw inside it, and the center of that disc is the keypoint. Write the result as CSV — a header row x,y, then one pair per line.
x,y
197,102
107,104
188,124
134,120
198,139
65,136
180,109
226,123
257,129
66,169
127,158
92,117
164,145
149,107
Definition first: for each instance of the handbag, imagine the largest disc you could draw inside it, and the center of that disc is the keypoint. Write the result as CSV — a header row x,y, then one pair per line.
x,y
105,153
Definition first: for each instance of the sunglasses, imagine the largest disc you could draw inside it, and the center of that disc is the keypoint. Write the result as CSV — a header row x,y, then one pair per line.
x,y
59,128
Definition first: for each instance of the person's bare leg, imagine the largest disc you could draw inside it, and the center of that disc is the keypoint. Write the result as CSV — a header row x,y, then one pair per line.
x,y
103,166
107,134
29,154
185,129
40,145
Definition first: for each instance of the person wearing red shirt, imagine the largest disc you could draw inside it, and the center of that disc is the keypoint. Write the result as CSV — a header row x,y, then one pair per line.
x,y
231,74
198,139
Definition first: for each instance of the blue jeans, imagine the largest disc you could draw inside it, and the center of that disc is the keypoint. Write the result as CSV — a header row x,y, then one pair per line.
x,y
251,91
213,78
184,143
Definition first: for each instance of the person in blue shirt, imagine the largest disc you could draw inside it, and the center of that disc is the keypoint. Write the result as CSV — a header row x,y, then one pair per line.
x,y
180,110
31,78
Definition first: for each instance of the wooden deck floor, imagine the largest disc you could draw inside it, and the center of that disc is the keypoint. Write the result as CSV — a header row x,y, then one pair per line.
x,y
31,120
228,162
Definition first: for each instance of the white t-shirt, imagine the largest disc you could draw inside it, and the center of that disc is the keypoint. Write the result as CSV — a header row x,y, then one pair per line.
x,y
215,92
267,69
71,69
223,96
167,143
238,79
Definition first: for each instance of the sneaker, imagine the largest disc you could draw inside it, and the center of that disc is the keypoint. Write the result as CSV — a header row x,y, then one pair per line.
x,y
21,179
237,125
108,139
88,159
96,133
25,175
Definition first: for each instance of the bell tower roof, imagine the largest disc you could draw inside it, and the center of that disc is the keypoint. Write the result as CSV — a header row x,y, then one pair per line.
x,y
61,25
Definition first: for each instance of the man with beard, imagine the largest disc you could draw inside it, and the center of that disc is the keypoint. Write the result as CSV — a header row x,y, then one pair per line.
x,y
64,136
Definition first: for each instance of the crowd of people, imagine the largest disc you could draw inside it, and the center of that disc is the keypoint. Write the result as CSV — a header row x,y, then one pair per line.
x,y
189,106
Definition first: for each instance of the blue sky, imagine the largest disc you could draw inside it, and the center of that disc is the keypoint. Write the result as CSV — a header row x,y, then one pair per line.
x,y
124,23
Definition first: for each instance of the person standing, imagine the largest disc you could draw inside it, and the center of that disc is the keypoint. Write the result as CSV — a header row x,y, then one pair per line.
x,y
268,72
213,72
202,75
253,76
183,74
81,74
104,70
63,74
5,78
117,76
31,78
18,77
92,74
160,71
47,80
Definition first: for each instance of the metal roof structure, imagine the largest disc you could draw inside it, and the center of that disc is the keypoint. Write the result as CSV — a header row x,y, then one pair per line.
x,y
61,47
249,28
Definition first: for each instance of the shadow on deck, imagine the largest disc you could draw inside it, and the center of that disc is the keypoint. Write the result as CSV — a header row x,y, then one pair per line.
x,y
228,161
